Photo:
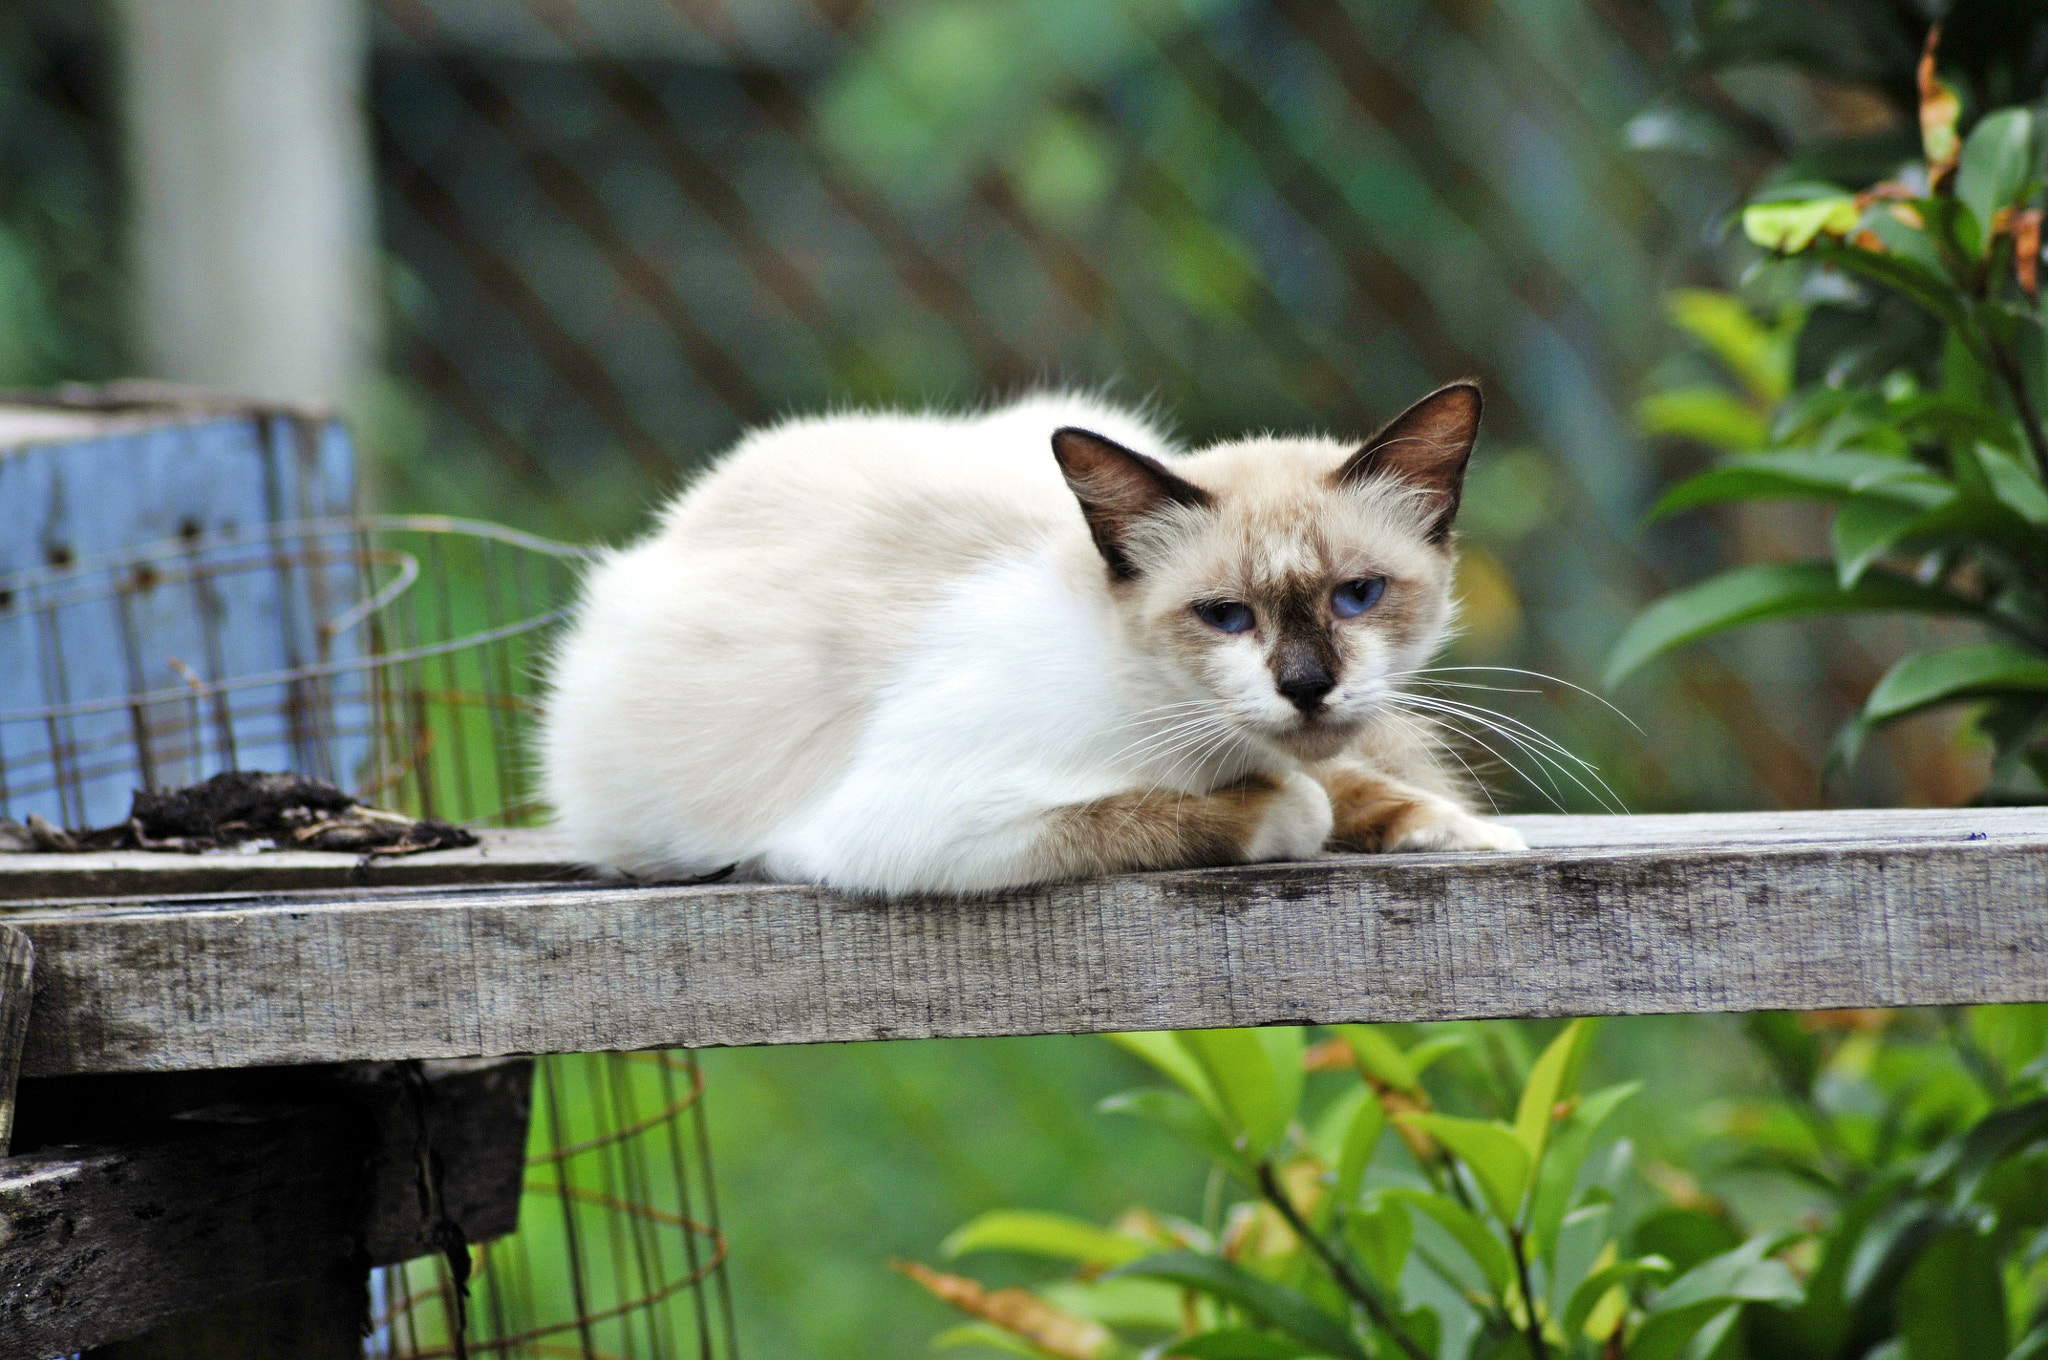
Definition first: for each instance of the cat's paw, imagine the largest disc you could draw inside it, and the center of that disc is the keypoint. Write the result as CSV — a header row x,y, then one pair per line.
x,y
1295,823
1442,825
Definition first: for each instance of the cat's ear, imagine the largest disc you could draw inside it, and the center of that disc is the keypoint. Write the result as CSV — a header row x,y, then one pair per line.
x,y
1117,488
1426,447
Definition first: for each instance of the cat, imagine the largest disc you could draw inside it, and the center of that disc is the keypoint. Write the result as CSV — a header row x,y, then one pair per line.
x,y
915,653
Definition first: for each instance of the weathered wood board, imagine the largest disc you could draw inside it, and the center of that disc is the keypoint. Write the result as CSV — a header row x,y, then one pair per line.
x,y
88,477
1606,916
185,1215
523,856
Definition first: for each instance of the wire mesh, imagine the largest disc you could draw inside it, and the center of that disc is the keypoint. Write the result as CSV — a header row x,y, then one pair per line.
x,y
396,657
619,1252
630,228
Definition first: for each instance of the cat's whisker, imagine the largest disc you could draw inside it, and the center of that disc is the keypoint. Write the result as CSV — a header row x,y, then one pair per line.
x,y
1535,733
1526,738
1545,751
1427,732
1600,699
1541,781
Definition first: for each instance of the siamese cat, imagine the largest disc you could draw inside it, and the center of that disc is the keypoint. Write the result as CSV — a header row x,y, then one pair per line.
x,y
914,653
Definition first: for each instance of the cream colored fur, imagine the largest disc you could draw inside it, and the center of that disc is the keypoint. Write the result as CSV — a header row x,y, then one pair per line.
x,y
881,651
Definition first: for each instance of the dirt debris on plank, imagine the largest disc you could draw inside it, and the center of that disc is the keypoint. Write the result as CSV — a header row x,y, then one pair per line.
x,y
245,810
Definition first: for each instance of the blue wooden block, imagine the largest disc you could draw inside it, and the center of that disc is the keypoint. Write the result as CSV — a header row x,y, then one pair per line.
x,y
140,567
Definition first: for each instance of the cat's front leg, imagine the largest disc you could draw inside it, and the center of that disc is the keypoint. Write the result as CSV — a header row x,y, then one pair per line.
x,y
1375,813
1260,817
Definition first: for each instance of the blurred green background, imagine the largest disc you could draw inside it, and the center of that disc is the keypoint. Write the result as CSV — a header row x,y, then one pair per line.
x,y
597,238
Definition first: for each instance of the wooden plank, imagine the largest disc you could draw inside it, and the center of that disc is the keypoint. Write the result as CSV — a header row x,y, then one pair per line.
x,y
199,1224
541,854
1712,914
17,983
104,1244
314,1319
500,856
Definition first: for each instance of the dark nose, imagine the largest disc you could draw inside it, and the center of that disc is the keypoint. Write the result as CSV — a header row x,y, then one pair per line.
x,y
1305,683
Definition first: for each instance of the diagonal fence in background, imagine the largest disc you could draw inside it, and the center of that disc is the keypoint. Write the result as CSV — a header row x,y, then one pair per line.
x,y
631,227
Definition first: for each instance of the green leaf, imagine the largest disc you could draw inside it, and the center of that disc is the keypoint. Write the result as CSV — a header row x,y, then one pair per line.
x,y
1755,594
1746,1274
1757,354
1926,678
1865,529
1683,1236
1932,290
1423,1056
1800,475
1991,1139
1997,161
1595,1286
1164,1051
1252,1095
1473,1237
1359,1142
1118,1303
988,1335
1952,1302
1889,1244
1044,1234
2033,1346
1379,1056
1276,1305
1497,1156
1703,1296
1906,244
1284,1045
1381,1236
1791,227
1559,1172
1237,1343
1714,417
1187,1119
2015,486
1544,1089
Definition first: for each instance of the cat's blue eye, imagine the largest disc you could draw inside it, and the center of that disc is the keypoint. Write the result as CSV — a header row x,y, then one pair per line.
x,y
1225,616
1353,598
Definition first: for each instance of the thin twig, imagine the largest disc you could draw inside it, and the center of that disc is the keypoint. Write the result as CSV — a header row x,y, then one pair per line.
x,y
2015,383
1537,1346
1375,1309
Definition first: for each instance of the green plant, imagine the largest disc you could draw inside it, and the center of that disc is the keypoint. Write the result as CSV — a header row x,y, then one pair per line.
x,y
1923,1138
1381,1227
1903,381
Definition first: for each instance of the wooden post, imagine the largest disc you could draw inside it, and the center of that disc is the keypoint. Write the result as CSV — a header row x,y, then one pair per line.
x,y
253,198
316,1319
17,978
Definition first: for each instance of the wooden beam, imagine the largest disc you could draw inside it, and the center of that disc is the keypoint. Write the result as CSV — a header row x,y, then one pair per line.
x,y
1606,916
205,1225
500,856
17,987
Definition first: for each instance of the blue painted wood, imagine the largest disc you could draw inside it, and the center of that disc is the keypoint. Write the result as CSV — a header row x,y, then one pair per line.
x,y
139,560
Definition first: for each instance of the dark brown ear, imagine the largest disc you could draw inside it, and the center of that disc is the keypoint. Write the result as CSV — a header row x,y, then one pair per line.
x,y
1427,447
1118,487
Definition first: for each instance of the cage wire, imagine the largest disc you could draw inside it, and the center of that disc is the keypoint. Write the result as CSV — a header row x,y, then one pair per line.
x,y
394,656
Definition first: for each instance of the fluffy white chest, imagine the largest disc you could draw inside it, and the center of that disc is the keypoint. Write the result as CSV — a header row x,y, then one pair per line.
x,y
1005,707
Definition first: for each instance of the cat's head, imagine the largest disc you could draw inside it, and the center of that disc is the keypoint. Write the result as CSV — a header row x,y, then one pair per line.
x,y
1290,583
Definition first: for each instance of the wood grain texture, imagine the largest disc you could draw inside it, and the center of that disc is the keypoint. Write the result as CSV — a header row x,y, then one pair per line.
x,y
105,1244
1612,917
193,1227
17,983
500,856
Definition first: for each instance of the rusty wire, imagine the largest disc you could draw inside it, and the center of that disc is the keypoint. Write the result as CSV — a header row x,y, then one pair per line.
x,y
394,656
632,1279
787,270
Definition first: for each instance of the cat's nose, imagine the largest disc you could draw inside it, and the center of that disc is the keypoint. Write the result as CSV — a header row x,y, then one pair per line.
x,y
1305,688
